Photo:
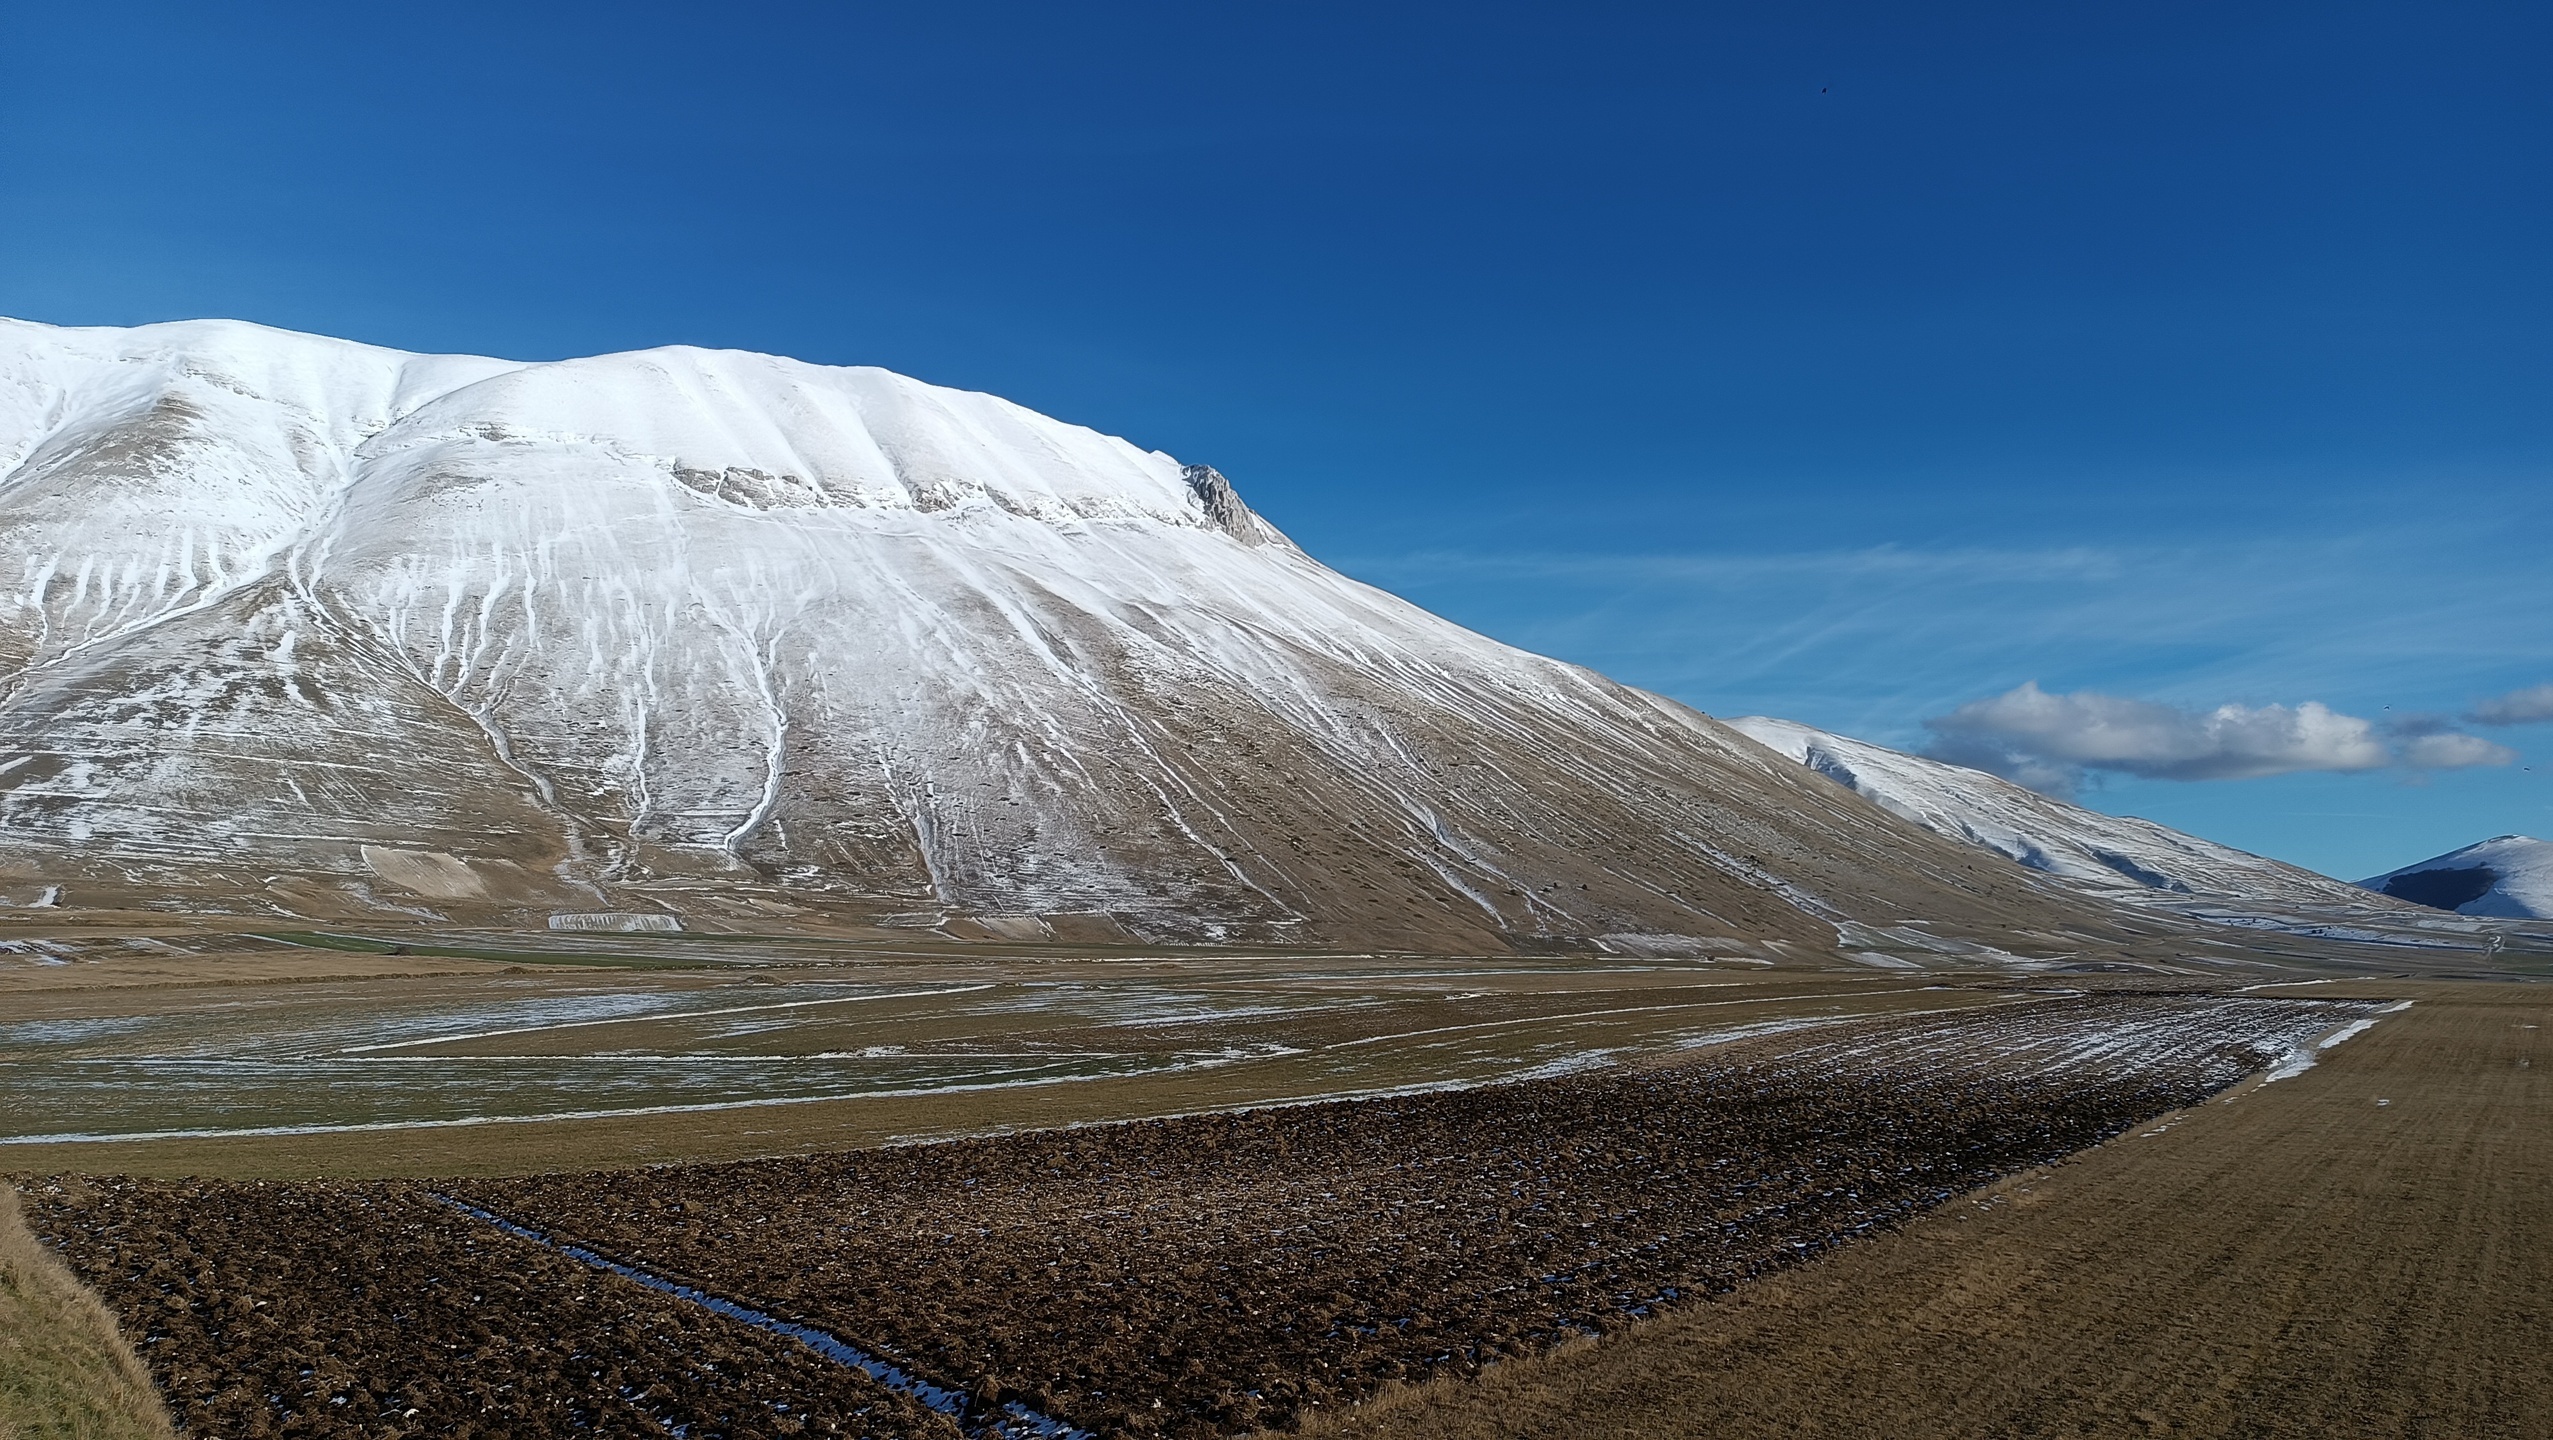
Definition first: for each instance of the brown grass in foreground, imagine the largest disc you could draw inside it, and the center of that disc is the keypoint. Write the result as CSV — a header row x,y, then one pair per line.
x,y
65,1372
2363,1250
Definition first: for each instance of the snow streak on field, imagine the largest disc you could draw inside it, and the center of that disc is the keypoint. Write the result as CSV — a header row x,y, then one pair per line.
x,y
299,1062
491,1049
2214,1040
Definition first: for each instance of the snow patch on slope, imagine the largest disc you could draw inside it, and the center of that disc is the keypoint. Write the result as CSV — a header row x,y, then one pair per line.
x,y
2085,847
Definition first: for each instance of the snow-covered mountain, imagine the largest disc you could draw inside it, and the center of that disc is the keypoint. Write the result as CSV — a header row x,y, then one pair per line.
x,y
2084,847
2507,875
289,624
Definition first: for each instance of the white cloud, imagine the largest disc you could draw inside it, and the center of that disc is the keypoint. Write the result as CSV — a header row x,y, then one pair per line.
x,y
2453,750
2048,741
2519,707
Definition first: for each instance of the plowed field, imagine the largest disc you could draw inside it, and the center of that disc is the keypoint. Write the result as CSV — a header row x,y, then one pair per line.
x,y
372,1310
1198,1276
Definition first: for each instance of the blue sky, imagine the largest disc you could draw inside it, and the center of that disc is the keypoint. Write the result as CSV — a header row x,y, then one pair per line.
x,y
1845,363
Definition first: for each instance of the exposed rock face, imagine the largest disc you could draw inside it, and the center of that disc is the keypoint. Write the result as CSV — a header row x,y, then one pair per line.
x,y
771,635
1224,509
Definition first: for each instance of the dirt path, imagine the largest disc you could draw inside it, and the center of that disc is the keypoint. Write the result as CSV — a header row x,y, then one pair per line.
x,y
2365,1249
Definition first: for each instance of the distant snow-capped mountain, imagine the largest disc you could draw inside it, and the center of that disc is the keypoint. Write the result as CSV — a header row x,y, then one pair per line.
x,y
2100,852
293,625
2507,875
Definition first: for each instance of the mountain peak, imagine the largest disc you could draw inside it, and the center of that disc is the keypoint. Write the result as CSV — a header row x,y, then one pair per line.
x,y
2506,875
296,626
760,432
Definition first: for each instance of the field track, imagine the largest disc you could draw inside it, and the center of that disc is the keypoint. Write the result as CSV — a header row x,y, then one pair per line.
x,y
2294,1260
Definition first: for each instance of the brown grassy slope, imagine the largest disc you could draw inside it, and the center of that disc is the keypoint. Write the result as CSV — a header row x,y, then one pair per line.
x,y
65,1374
2295,1261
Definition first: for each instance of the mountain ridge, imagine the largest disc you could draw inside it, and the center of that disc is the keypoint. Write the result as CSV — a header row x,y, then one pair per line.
x,y
2114,854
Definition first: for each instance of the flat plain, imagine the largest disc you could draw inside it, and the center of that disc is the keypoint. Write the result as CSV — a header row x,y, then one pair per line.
x,y
1148,1191
236,1054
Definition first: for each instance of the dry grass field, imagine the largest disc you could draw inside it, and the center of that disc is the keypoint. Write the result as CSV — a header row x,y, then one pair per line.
x,y
2363,1250
66,1372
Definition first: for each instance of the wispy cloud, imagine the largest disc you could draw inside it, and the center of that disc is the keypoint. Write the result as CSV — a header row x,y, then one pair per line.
x,y
1969,564
2453,751
2530,706
1869,639
2049,741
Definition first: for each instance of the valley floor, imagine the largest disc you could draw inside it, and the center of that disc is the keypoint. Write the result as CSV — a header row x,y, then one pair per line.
x,y
1382,1195
196,1053
1191,1277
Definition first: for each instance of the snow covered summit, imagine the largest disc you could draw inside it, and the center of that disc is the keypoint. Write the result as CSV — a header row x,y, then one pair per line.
x,y
2507,875
292,625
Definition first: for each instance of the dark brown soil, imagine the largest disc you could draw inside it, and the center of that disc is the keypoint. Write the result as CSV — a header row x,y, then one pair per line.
x,y
1214,1274
371,1310
1190,1277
